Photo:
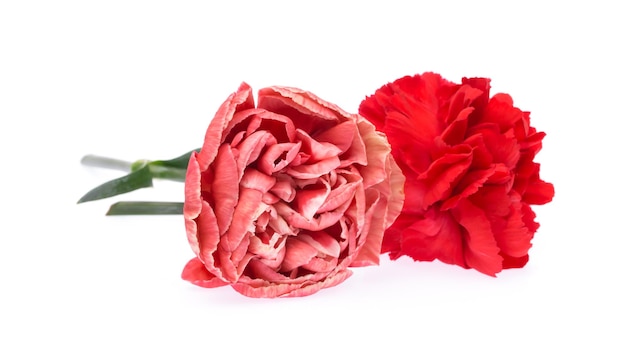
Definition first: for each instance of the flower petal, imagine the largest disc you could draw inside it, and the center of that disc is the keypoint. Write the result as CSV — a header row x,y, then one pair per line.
x,y
340,135
240,100
261,289
297,253
225,187
444,173
195,272
482,252
314,170
322,242
308,201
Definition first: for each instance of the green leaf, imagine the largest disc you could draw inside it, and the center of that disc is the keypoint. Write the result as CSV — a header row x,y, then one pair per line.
x,y
142,173
140,178
145,208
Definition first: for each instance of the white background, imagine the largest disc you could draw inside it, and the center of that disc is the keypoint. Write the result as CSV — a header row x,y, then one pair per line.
x,y
132,80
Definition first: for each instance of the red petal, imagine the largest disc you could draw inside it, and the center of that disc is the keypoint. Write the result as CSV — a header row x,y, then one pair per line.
x,y
469,184
444,172
481,252
514,262
539,193
460,102
500,110
434,236
514,239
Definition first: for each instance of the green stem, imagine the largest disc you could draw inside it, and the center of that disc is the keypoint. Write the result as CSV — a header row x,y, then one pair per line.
x,y
175,174
106,162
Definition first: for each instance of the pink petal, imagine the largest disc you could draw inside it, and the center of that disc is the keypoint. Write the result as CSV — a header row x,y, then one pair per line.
x,y
372,233
225,187
284,188
193,199
318,150
253,179
340,135
356,153
277,157
243,218
259,288
314,170
377,151
306,110
281,126
321,264
238,101
396,197
297,253
270,250
208,237
342,193
195,273
322,242
251,147
321,222
308,201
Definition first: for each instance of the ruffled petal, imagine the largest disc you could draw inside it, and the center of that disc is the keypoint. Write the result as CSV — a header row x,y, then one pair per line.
x,y
195,273
314,170
308,201
259,288
481,250
322,242
444,173
225,187
240,100
297,253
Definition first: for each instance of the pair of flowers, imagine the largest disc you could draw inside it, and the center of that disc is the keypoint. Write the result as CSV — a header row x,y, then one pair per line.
x,y
285,195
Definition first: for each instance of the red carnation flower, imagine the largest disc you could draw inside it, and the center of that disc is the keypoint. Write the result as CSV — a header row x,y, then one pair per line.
x,y
470,175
